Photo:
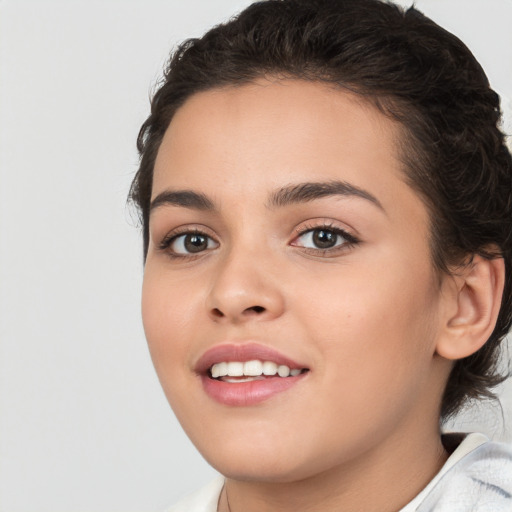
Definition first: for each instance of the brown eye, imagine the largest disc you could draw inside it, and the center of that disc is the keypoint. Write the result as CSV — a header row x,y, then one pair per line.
x,y
195,243
324,239
191,243
321,238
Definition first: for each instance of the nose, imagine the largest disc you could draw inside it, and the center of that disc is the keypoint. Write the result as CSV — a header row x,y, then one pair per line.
x,y
244,288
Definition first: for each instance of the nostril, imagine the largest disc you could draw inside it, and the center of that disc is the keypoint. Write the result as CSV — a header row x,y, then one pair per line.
x,y
256,309
217,312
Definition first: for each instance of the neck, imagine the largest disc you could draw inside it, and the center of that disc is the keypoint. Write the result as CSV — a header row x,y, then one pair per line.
x,y
384,480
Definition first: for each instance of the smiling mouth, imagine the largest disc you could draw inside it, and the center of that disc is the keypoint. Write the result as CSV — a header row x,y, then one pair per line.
x,y
247,374
248,371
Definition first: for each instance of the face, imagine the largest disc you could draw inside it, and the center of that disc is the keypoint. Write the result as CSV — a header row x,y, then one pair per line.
x,y
283,235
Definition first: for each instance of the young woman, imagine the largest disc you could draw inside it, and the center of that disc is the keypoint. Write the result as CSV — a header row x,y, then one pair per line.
x,y
326,204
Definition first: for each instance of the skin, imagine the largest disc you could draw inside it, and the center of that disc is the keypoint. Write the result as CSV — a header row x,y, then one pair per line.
x,y
361,431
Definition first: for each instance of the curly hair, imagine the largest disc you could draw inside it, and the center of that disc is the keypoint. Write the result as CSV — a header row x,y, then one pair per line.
x,y
452,149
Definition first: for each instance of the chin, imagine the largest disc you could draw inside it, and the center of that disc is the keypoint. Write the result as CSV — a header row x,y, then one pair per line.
x,y
268,470
264,461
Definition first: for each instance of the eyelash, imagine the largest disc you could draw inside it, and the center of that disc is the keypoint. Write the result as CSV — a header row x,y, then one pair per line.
x,y
349,241
168,240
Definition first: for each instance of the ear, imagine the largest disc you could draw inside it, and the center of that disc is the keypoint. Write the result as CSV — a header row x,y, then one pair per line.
x,y
472,300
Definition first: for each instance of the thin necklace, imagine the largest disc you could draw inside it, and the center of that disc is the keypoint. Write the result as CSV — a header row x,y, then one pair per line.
x,y
227,497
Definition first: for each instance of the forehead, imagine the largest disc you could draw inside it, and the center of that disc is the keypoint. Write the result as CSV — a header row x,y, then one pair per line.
x,y
280,118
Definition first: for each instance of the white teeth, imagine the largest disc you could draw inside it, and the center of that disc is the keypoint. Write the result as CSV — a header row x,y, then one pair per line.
x,y
246,379
235,369
254,368
219,370
283,371
223,369
269,368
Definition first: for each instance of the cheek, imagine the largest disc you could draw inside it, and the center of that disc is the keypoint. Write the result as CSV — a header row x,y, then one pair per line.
x,y
376,323
169,314
373,338
167,309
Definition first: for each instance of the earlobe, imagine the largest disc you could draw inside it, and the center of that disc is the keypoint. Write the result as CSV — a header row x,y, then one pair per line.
x,y
474,303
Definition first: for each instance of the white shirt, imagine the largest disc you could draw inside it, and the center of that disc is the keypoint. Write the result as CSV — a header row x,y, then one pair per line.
x,y
477,477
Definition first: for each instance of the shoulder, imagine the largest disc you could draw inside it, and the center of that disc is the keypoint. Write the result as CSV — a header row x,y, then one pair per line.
x,y
203,500
479,479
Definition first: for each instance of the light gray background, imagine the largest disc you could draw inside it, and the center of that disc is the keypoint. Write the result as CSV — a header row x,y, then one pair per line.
x,y
84,425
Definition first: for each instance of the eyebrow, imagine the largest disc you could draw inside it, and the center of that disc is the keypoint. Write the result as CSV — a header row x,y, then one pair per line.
x,y
183,198
290,194
304,192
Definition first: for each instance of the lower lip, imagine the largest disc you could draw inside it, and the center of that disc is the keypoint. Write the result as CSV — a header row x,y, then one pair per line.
x,y
247,393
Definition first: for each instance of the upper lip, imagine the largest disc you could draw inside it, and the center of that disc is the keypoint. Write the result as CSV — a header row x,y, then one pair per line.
x,y
243,352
